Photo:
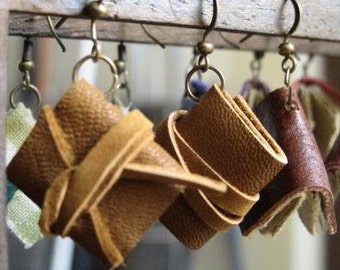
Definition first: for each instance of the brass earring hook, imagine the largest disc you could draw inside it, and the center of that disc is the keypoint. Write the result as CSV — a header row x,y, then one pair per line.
x,y
296,23
96,10
54,33
152,37
212,22
230,43
288,64
291,31
204,49
26,66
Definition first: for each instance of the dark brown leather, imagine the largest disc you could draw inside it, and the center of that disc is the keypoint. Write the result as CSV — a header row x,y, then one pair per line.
x,y
333,167
98,175
333,159
220,138
303,184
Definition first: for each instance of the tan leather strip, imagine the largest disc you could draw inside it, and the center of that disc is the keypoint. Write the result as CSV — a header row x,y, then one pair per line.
x,y
90,182
154,173
200,203
110,250
53,201
209,213
61,144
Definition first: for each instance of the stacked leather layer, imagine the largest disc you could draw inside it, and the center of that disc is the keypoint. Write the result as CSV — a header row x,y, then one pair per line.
x,y
98,175
220,138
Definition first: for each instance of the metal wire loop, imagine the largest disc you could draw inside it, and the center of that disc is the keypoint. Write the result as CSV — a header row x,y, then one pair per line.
x,y
296,19
108,61
212,22
206,62
201,68
290,104
255,67
23,87
54,32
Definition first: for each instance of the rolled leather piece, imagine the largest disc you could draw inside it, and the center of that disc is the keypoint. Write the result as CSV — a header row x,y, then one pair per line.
x,y
333,167
98,175
222,139
303,184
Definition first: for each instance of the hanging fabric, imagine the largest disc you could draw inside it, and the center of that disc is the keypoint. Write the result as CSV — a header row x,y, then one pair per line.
x,y
22,214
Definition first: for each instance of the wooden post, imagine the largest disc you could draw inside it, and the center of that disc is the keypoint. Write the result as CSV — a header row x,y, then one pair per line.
x,y
4,16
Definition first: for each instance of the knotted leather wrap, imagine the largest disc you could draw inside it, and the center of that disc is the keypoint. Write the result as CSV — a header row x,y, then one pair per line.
x,y
222,139
303,184
98,175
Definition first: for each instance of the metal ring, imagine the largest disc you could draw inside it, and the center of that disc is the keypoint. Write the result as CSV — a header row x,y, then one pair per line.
x,y
285,62
107,60
17,89
201,68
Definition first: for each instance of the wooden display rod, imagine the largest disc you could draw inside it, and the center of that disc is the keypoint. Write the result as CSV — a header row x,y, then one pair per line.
x,y
181,22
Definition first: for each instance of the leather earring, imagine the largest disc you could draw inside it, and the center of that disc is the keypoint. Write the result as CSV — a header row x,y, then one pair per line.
x,y
254,90
98,175
219,138
303,184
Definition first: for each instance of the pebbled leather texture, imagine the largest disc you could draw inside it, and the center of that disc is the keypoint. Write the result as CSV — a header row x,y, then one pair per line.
x,y
98,175
220,138
303,184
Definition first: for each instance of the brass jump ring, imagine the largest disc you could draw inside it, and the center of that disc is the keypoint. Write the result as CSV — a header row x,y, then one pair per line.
x,y
107,60
201,68
285,64
16,90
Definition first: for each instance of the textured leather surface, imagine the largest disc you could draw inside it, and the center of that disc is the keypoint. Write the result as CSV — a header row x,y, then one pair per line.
x,y
303,184
74,166
220,138
322,111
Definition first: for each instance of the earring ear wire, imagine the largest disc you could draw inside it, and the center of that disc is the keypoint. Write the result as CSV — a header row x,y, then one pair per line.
x,y
54,33
152,37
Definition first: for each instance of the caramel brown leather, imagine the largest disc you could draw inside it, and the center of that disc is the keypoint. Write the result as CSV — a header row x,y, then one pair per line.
x,y
220,138
302,185
98,175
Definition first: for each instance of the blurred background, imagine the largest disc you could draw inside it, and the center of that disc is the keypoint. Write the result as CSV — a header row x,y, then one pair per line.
x,y
156,78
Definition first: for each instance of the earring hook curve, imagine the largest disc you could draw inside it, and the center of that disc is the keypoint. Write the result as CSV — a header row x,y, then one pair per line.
x,y
54,33
213,21
296,19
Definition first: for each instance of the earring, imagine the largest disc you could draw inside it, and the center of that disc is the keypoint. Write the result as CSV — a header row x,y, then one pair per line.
x,y
96,10
97,173
26,66
19,124
222,139
314,93
303,184
123,101
254,90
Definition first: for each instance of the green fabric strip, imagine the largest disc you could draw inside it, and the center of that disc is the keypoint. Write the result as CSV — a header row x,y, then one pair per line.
x,y
22,214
